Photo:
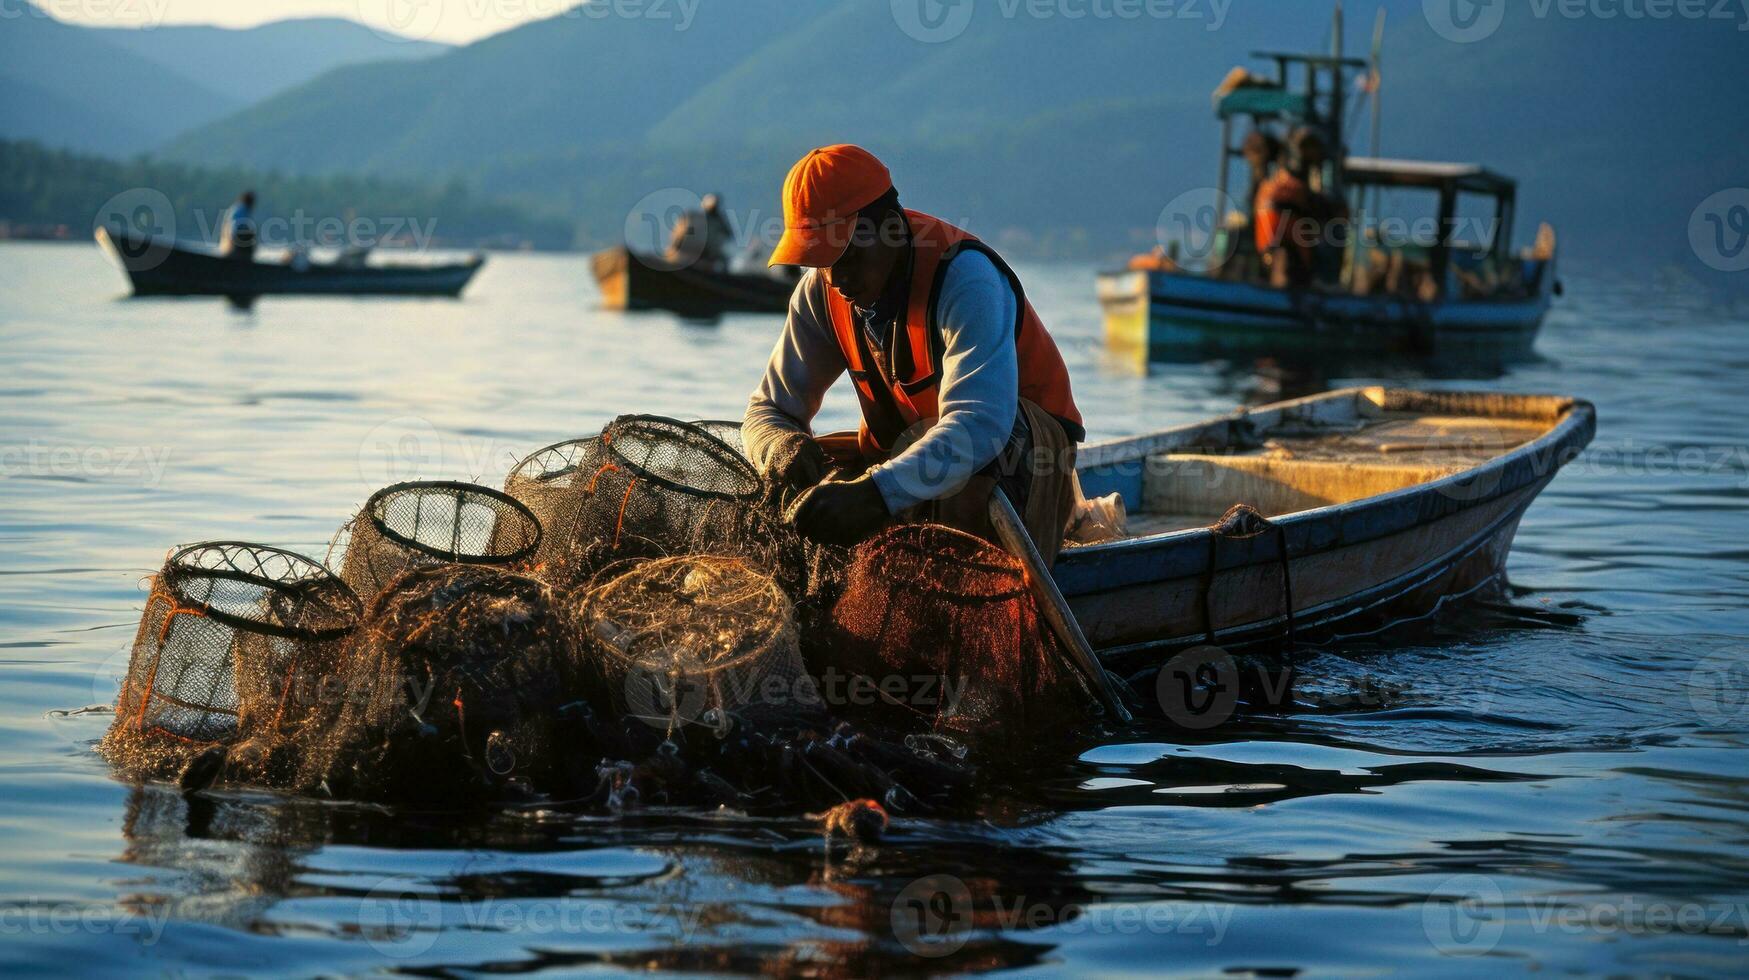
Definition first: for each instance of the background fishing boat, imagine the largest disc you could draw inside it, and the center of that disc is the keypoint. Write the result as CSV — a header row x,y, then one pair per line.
x,y
634,281
1372,505
1388,283
158,267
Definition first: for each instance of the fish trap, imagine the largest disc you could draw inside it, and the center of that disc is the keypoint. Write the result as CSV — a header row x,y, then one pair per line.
x,y
695,640
414,525
231,637
663,487
922,601
550,482
729,432
454,691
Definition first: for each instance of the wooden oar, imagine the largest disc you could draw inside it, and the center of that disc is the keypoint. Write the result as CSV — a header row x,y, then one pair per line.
x,y
1051,602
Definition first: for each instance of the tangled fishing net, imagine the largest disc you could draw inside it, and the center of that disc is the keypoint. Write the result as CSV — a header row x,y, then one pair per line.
x,y
697,640
647,487
421,524
922,600
455,692
231,637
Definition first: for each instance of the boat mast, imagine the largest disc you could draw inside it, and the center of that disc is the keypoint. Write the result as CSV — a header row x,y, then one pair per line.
x,y
1339,147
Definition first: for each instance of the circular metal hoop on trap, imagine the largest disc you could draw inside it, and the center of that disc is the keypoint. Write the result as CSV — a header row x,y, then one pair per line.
x,y
729,432
432,522
689,639
686,457
228,630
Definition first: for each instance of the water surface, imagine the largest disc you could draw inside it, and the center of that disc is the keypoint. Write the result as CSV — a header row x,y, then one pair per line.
x,y
1555,783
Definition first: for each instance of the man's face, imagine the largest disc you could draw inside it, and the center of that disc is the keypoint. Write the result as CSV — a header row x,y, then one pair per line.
x,y
861,273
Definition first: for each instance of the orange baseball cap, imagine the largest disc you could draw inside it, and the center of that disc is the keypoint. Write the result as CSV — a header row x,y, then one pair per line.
x,y
821,197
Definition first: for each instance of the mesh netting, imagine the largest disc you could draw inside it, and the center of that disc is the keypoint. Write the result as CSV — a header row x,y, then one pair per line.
x,y
550,482
922,600
231,636
411,525
662,487
454,694
697,640
729,432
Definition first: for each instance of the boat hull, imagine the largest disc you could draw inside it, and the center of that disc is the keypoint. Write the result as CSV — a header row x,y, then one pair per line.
x,y
630,281
1350,569
158,268
1163,313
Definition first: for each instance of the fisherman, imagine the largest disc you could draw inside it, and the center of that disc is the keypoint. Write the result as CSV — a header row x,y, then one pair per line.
x,y
961,387
701,238
237,229
1288,213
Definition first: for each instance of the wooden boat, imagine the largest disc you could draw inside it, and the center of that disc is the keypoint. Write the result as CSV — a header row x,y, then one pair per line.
x,y
1378,505
158,267
634,281
1388,284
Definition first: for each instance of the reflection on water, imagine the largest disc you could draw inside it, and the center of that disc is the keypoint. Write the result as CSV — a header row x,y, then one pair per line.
x,y
1554,781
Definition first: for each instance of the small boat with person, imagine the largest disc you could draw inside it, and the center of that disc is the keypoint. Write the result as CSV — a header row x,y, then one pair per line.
x,y
160,267
1315,519
1437,278
631,280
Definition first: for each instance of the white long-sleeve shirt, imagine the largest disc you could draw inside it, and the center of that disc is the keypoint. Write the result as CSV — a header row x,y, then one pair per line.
x,y
979,394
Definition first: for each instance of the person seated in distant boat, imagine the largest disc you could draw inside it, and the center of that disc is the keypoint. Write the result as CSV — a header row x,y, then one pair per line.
x,y
702,238
961,387
237,229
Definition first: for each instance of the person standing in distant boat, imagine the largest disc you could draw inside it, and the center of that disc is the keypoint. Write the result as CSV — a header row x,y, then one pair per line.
x,y
237,229
962,388
1292,218
701,238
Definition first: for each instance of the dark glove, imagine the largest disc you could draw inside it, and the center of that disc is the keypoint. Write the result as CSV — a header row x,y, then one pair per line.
x,y
797,463
840,513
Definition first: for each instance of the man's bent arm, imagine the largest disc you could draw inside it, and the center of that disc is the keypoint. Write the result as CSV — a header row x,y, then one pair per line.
x,y
803,365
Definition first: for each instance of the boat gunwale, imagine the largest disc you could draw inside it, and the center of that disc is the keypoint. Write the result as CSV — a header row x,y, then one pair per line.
x,y
1353,522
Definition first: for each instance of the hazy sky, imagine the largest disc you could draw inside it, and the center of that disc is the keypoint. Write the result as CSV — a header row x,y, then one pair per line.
x,y
457,21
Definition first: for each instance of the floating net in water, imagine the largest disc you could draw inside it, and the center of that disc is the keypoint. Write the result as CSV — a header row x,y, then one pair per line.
x,y
232,637
922,600
412,525
455,694
697,640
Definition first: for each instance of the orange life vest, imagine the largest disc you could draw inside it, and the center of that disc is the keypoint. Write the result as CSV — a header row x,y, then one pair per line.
x,y
892,404
1281,196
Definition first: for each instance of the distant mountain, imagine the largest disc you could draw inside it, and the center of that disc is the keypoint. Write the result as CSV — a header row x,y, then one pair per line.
x,y
124,91
67,86
1059,133
253,63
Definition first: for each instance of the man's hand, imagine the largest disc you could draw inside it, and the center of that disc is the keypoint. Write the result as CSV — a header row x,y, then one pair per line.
x,y
840,513
797,463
